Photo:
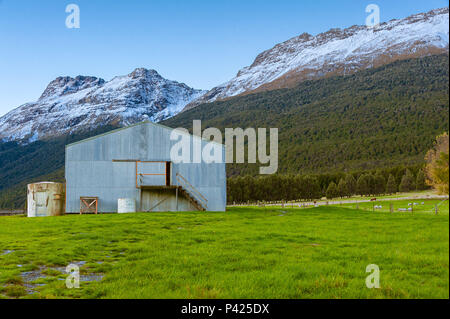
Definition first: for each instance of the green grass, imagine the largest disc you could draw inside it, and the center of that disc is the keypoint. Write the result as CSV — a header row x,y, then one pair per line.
x,y
243,253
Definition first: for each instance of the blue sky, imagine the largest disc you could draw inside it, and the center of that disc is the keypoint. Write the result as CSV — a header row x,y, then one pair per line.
x,y
202,43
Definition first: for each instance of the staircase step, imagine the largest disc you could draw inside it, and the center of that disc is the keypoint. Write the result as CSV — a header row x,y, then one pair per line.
x,y
191,199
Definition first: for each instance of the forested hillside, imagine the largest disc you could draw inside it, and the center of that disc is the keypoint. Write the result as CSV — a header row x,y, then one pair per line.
x,y
380,117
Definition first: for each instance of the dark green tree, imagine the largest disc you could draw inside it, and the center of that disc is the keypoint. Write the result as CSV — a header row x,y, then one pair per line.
x,y
420,181
332,191
313,188
379,184
342,188
407,184
363,185
391,185
351,184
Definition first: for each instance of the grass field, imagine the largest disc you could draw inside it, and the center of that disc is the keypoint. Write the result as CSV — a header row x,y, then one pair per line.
x,y
243,253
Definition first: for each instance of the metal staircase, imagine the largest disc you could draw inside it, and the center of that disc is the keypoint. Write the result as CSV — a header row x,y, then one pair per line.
x,y
191,193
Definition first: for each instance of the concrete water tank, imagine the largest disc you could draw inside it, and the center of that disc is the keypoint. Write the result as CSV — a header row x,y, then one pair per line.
x,y
45,199
126,205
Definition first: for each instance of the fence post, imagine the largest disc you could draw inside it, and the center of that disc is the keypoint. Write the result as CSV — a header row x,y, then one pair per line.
x,y
357,205
436,209
391,208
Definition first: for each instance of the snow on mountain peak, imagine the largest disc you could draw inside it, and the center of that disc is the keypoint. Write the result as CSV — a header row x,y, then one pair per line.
x,y
338,52
144,73
67,85
84,103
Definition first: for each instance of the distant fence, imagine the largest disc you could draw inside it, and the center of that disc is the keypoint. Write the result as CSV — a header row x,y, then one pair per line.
x,y
323,202
282,203
11,212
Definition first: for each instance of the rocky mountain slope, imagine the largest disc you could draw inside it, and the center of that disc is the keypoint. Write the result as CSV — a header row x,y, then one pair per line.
x,y
84,103
338,52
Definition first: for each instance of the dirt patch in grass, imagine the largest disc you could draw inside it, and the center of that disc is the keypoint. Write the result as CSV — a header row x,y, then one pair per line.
x,y
29,278
85,275
29,281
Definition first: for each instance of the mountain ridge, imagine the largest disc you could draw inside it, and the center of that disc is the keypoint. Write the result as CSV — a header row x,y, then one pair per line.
x,y
337,52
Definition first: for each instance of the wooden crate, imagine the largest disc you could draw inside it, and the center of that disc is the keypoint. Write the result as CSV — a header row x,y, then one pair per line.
x,y
88,205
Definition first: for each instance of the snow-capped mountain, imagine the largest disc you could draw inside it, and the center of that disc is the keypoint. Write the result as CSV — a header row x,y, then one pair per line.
x,y
84,102
338,52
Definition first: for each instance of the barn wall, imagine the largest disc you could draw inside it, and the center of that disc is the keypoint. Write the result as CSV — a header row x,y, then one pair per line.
x,y
164,201
90,170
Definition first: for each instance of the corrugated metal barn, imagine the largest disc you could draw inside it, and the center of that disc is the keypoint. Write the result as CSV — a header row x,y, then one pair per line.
x,y
135,163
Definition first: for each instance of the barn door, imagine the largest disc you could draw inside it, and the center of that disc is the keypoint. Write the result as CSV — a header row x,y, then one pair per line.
x,y
168,173
151,174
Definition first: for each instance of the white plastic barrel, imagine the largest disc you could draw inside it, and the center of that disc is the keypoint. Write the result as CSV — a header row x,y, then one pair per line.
x,y
126,205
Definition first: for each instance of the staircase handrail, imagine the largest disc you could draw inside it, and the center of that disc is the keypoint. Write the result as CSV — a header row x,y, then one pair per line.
x,y
191,189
